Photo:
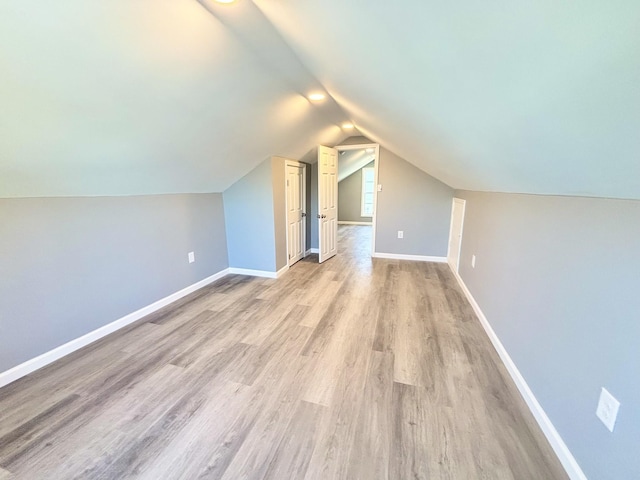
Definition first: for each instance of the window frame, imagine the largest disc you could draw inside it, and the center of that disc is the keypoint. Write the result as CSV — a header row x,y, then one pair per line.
x,y
363,192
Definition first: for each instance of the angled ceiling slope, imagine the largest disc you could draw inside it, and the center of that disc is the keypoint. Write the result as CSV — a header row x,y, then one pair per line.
x,y
146,97
351,161
538,97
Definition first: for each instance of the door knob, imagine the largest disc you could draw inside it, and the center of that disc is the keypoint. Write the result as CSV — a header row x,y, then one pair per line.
x,y
304,214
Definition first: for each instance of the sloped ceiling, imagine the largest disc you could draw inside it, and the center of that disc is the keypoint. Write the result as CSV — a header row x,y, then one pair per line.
x,y
161,96
147,96
350,161
535,97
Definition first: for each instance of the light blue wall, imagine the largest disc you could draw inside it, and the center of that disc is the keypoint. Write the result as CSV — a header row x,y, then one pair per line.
x,y
558,278
71,265
249,217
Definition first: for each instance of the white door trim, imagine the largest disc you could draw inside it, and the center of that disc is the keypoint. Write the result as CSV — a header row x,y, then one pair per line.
x,y
463,203
342,148
295,163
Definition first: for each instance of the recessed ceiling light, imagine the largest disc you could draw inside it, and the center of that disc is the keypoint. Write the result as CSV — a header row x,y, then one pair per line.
x,y
225,1
316,97
347,125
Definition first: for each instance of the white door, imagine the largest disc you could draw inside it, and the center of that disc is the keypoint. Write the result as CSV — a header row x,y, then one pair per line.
x,y
327,202
455,235
296,225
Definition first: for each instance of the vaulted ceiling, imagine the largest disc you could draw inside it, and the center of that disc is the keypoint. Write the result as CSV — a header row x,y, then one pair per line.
x,y
161,96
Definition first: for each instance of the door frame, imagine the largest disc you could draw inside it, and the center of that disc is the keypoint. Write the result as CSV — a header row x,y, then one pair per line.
x,y
360,146
463,202
295,163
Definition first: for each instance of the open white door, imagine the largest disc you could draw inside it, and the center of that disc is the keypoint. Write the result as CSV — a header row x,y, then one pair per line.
x,y
327,202
296,227
455,234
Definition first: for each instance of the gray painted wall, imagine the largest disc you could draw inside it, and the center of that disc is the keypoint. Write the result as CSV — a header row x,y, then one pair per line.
x,y
356,140
256,222
414,202
249,216
411,201
350,197
71,265
558,278
278,177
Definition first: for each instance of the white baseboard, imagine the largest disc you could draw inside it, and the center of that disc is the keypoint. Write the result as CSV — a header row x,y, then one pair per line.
x,y
282,271
559,447
51,356
313,250
258,273
344,222
416,258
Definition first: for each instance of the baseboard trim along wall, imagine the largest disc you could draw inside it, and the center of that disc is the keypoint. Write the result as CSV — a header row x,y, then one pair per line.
x,y
559,447
51,356
416,258
258,273
344,222
312,250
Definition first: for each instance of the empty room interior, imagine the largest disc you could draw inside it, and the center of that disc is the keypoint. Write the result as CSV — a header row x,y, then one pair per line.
x,y
317,239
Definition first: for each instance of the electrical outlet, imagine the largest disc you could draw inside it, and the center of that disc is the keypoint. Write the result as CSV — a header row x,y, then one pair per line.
x,y
607,410
473,261
192,257
400,234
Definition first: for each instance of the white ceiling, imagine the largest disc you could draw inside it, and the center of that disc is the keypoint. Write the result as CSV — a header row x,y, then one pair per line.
x,y
147,96
537,97
160,96
350,161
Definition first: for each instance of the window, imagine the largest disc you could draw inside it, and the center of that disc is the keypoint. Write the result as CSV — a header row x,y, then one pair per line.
x,y
368,180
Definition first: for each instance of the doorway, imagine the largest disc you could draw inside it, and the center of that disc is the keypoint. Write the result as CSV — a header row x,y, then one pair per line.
x,y
455,234
356,188
333,166
295,187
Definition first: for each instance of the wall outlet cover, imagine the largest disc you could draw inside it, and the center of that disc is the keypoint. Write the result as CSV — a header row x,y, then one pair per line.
x,y
607,410
192,257
400,234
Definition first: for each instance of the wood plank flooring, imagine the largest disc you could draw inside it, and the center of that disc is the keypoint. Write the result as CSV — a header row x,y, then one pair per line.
x,y
353,369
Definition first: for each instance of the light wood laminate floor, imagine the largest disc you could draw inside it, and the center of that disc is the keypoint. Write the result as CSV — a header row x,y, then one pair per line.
x,y
353,369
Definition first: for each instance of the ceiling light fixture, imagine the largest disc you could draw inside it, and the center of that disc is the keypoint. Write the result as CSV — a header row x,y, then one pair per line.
x,y
347,126
225,1
316,97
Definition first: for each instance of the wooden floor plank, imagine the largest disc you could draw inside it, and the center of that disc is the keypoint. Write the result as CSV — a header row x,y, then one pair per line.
x,y
410,437
356,368
371,447
292,456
